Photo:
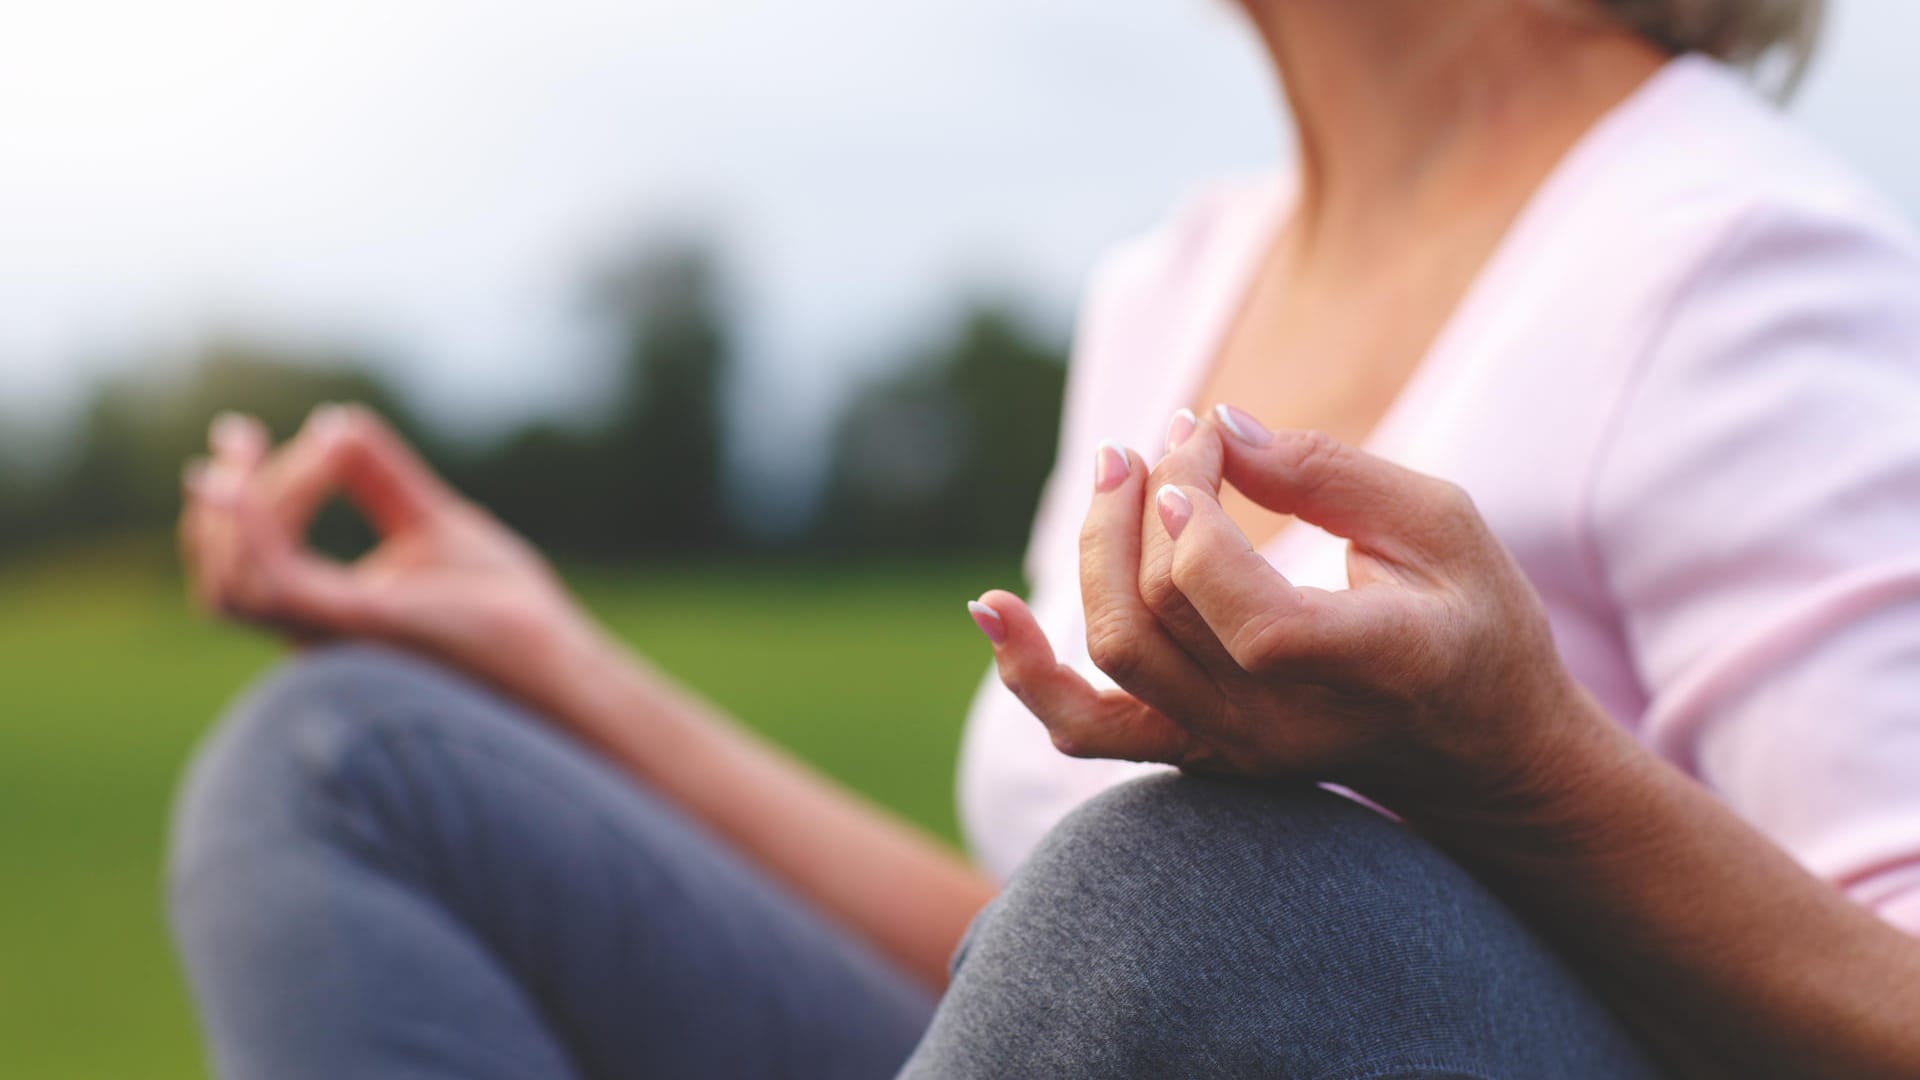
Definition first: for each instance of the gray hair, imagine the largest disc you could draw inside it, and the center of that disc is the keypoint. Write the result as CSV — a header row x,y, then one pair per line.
x,y
1775,39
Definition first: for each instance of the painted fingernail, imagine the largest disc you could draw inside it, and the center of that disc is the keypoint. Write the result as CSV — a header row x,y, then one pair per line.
x,y
324,419
219,484
1111,466
231,432
1175,510
1180,427
1244,427
988,620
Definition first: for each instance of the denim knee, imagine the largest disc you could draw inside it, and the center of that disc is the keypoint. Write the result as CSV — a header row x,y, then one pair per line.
x,y
294,741
1178,924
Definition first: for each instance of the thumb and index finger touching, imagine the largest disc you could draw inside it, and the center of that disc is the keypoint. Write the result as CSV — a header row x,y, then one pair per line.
x,y
348,449
1388,509
249,506
1262,620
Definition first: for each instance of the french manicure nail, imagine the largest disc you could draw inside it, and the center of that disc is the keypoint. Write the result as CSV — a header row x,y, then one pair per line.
x,y
1180,427
1111,467
1244,427
988,620
1175,510
230,432
324,418
219,484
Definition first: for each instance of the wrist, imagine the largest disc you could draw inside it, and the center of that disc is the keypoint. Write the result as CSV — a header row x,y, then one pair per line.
x,y
1548,752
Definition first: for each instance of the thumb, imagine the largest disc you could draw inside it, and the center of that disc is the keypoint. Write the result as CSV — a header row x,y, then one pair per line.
x,y
349,449
1081,720
1391,511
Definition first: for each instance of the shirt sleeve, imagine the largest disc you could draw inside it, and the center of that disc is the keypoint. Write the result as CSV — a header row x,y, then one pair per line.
x,y
1756,518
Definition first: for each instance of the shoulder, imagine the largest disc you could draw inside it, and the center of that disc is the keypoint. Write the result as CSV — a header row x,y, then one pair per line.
x,y
1794,265
1706,179
1777,368
1698,229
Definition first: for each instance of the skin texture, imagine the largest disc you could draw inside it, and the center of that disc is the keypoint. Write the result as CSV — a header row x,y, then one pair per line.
x,y
448,581
1422,127
1432,687
1411,674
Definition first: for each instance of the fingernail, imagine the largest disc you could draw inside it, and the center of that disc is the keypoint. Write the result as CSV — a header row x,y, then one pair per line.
x,y
324,418
1175,510
1244,427
1180,427
219,484
231,432
988,620
1111,467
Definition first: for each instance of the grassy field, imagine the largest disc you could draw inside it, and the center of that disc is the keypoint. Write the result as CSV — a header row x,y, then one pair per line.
x,y
106,681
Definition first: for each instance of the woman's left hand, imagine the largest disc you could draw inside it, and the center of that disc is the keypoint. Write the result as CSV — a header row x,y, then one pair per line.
x,y
1432,682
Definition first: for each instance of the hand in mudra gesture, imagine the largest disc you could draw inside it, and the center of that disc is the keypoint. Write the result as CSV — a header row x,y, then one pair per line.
x,y
446,579
1431,681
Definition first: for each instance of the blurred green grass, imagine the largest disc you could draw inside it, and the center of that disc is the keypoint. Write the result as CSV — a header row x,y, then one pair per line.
x,y
107,680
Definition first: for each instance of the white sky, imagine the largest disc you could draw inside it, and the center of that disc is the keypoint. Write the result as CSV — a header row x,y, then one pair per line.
x,y
431,178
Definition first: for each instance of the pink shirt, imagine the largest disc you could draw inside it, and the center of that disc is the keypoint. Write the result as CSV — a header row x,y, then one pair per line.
x,y
1685,391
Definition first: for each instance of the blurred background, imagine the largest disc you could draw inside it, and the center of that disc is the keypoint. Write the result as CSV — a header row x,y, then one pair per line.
x,y
806,271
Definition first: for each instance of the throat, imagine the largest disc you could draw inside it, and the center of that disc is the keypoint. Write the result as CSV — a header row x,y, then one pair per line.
x,y
1330,352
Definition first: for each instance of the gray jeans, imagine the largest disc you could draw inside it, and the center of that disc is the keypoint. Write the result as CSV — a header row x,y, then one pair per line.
x,y
381,869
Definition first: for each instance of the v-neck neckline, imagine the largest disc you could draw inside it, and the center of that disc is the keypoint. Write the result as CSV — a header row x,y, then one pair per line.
x,y
1241,264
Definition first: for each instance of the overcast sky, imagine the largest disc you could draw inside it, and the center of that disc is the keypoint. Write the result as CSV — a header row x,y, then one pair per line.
x,y
430,179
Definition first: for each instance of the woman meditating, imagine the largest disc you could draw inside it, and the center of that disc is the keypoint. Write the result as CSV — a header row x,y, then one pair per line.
x,y
1535,629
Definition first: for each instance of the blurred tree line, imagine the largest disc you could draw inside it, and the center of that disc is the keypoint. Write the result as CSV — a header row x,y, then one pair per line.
x,y
945,453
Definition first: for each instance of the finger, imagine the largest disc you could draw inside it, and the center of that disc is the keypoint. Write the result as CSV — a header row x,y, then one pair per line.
x,y
1261,620
237,444
1123,637
1194,460
1082,721
349,449
193,532
213,495
1410,518
237,440
267,577
206,530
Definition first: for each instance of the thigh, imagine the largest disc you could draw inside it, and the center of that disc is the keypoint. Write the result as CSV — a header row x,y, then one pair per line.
x,y
381,868
1179,926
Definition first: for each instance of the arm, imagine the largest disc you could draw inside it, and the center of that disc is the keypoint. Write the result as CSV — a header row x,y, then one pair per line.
x,y
450,582
1432,686
909,895
1729,957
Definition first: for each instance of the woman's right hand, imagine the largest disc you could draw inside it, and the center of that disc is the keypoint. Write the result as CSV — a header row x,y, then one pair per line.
x,y
446,579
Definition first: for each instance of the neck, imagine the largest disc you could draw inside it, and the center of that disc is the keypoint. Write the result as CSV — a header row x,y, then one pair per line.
x,y
1407,109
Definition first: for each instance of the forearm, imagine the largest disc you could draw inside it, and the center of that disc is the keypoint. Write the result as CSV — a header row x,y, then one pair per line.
x,y
1724,950
898,887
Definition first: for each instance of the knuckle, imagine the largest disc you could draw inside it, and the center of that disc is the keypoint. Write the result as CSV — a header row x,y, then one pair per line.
x,y
1068,742
1015,686
1310,449
1158,589
1456,519
256,594
1186,569
1093,535
1269,645
1310,457
1114,646
1455,501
